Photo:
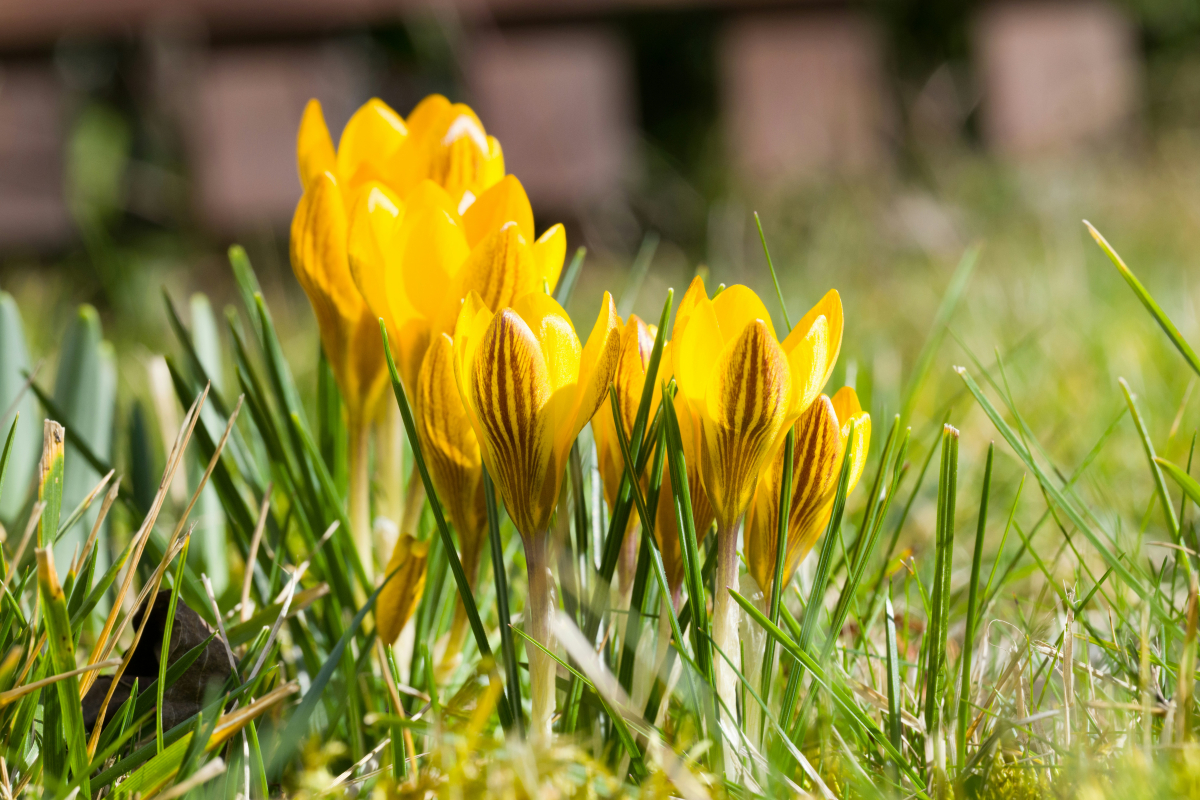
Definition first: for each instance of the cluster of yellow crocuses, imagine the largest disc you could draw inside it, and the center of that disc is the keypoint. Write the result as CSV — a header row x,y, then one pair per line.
x,y
413,221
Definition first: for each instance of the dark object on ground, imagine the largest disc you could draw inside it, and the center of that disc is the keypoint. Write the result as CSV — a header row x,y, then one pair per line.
x,y
184,697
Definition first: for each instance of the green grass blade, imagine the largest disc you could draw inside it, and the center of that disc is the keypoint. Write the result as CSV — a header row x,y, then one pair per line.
x,y
964,695
781,526
567,284
936,673
1160,484
1117,563
508,647
762,237
937,331
61,645
1148,301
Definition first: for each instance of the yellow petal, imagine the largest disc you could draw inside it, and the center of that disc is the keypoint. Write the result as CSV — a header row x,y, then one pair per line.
x,y
505,202
431,249
597,367
695,342
746,408
830,307
426,114
816,462
737,307
314,148
849,410
451,449
403,591
493,165
637,342
500,268
373,227
809,363
457,153
369,140
318,249
508,389
549,252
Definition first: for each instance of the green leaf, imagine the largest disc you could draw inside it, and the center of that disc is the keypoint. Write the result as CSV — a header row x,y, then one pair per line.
x,y
15,395
61,646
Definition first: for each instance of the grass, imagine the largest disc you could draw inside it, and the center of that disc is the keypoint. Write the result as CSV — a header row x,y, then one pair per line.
x,y
1020,622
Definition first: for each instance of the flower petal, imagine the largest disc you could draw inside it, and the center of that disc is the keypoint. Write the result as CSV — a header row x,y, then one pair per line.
x,y
695,340
369,140
314,148
508,389
830,307
737,307
557,340
637,341
597,368
374,225
549,252
431,249
500,268
503,203
746,408
809,363
400,596
451,449
849,410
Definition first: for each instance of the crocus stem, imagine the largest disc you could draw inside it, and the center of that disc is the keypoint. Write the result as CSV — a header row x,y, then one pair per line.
x,y
414,503
754,643
360,492
390,460
725,628
537,624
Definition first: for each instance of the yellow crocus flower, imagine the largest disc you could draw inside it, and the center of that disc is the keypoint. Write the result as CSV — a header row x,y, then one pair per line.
x,y
637,342
414,259
401,594
822,439
321,264
742,388
448,145
529,387
455,464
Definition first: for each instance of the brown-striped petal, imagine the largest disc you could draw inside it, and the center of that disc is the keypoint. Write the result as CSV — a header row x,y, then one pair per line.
x,y
508,391
746,408
403,591
451,450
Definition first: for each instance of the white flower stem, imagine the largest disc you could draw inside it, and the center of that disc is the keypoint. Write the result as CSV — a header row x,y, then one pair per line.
x,y
360,492
537,624
725,630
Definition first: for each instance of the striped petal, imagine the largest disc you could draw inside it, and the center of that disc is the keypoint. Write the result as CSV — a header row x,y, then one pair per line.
x,y
403,591
509,386
746,408
451,449
500,268
314,148
369,140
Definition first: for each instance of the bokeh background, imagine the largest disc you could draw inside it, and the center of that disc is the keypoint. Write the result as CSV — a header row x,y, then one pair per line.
x,y
879,141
